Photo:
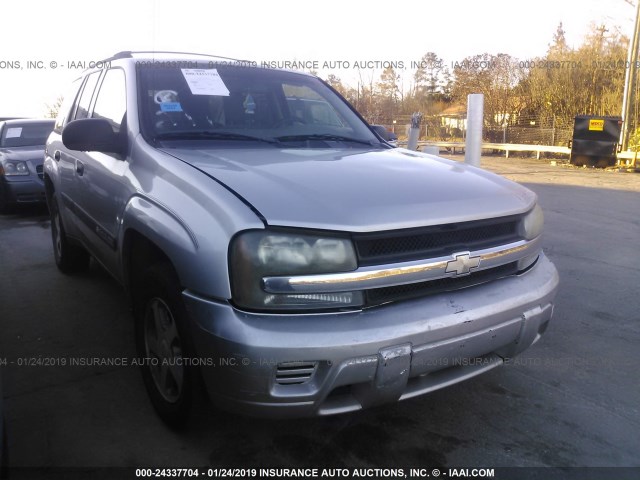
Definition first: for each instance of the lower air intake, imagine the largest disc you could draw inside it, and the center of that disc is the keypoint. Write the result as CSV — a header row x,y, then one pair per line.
x,y
295,373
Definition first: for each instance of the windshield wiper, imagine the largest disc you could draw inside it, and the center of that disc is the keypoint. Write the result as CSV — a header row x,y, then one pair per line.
x,y
210,135
323,136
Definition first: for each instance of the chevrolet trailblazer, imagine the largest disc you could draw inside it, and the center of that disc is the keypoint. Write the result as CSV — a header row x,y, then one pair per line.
x,y
275,248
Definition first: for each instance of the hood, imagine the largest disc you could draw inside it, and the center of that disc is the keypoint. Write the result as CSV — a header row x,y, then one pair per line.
x,y
358,190
25,154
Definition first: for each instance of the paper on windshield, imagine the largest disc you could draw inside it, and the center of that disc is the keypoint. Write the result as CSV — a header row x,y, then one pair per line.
x,y
205,82
13,132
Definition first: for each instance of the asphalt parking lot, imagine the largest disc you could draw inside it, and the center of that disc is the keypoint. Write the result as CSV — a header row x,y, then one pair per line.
x,y
572,400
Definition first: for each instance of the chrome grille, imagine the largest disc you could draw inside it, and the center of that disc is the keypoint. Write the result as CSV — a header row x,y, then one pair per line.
x,y
429,242
378,296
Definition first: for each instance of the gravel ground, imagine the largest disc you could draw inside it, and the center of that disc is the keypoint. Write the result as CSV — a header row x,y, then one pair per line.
x,y
558,172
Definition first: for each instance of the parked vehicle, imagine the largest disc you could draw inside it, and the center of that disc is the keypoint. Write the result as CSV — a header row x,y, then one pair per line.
x,y
296,267
387,135
21,156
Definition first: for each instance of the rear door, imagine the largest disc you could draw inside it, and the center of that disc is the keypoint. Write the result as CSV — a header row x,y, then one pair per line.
x,y
76,105
104,185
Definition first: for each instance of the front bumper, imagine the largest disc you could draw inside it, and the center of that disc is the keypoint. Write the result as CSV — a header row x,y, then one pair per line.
x,y
23,190
322,364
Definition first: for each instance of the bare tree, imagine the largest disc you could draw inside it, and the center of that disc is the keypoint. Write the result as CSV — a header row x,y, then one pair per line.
x,y
587,80
496,77
336,83
52,110
430,77
389,92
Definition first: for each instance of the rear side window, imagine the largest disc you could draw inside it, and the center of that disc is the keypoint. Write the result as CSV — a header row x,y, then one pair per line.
x,y
68,100
82,109
111,103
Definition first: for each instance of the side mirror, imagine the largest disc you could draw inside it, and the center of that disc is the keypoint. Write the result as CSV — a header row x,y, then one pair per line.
x,y
92,135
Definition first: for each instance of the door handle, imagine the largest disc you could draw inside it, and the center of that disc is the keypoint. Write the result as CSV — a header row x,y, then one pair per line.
x,y
79,168
56,155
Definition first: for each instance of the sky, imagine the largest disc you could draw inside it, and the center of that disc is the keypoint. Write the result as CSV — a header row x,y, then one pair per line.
x,y
55,37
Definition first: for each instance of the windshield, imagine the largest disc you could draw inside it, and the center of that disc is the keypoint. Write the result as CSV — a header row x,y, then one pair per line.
x,y
230,104
25,134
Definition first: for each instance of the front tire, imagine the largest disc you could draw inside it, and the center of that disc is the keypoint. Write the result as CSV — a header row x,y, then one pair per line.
x,y
69,258
4,205
163,345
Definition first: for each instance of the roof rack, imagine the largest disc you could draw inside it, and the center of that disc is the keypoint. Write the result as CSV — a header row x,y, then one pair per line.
x,y
131,54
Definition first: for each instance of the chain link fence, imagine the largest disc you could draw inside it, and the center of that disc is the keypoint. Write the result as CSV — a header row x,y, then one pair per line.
x,y
528,130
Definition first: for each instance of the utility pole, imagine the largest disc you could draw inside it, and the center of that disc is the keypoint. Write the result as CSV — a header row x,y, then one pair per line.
x,y
630,81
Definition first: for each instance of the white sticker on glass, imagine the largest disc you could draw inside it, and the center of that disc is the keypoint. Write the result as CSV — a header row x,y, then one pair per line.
x,y
14,132
205,82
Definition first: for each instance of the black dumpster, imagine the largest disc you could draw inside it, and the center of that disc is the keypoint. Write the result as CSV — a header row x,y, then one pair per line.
x,y
595,140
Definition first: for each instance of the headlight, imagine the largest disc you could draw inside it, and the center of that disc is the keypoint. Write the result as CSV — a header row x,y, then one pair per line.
x,y
532,224
11,168
256,254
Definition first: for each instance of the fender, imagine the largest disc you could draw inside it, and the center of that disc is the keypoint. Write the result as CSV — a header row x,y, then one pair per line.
x,y
161,226
199,257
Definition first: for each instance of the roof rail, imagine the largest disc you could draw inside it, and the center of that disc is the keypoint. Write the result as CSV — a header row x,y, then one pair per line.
x,y
124,54
130,54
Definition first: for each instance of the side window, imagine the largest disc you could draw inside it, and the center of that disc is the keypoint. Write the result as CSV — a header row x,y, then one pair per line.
x,y
82,110
67,101
112,99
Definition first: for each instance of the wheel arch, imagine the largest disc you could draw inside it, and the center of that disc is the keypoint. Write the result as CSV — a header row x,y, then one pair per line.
x,y
138,254
153,233
49,188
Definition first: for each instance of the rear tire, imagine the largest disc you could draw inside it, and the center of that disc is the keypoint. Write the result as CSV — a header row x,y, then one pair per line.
x,y
69,258
163,344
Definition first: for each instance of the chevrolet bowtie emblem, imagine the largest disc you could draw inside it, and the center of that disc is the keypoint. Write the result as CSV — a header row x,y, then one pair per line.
x,y
463,264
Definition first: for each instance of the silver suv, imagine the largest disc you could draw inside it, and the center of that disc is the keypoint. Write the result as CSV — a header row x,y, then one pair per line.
x,y
277,250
